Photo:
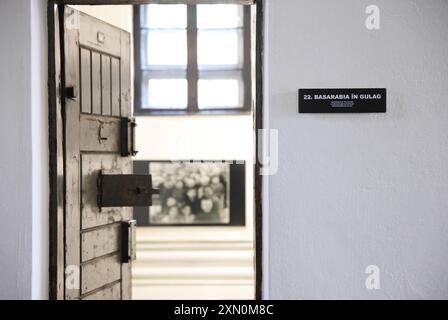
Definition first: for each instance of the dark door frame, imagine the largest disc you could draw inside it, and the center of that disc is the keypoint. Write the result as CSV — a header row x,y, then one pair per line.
x,y
56,95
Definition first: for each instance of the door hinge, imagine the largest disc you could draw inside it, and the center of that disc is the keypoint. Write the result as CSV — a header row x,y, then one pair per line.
x,y
128,241
128,137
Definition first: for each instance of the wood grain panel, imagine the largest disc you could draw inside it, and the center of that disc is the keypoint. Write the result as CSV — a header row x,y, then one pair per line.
x,y
96,83
125,74
72,156
99,242
86,97
109,293
115,86
100,134
105,85
126,285
100,272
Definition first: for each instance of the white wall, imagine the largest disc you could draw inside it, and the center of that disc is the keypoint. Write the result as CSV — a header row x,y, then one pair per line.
x,y
24,145
359,189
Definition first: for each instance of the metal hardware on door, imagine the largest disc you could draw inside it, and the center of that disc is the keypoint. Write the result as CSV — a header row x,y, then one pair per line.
x,y
71,92
124,190
100,133
100,37
127,126
128,243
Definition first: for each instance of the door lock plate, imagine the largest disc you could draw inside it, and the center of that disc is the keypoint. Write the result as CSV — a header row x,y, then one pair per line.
x,y
124,190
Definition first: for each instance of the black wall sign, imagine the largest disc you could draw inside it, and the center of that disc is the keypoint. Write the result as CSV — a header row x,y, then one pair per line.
x,y
342,100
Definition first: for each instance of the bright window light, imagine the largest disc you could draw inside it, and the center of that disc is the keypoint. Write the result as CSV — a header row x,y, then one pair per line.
x,y
218,47
167,48
167,93
218,93
166,16
219,16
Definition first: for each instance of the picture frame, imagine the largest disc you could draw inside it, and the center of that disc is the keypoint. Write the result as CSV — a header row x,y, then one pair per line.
x,y
193,193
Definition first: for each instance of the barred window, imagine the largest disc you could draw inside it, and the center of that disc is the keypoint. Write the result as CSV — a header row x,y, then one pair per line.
x,y
192,58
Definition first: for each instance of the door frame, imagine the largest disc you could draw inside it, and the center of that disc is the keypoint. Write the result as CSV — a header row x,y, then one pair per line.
x,y
56,159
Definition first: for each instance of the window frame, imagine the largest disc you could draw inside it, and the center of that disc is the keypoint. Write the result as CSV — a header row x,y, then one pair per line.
x,y
192,70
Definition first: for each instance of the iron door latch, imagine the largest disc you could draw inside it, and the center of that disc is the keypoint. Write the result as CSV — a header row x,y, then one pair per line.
x,y
127,128
124,190
71,92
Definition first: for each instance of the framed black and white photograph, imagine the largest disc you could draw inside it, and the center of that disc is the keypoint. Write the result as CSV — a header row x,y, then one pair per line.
x,y
194,193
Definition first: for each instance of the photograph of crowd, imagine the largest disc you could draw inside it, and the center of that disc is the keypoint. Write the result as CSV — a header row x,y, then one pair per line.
x,y
190,193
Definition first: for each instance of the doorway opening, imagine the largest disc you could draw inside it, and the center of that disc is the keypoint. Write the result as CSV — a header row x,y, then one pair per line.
x,y
197,106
